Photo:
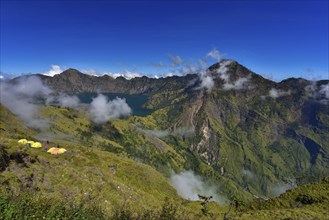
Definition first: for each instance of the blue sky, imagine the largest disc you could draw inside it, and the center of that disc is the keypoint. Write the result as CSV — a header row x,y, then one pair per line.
x,y
280,39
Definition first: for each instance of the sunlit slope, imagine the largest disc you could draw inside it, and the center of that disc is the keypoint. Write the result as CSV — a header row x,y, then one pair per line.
x,y
258,139
98,182
80,173
309,201
250,136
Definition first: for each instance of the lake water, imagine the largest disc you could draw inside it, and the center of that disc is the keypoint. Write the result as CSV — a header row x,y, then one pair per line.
x,y
135,102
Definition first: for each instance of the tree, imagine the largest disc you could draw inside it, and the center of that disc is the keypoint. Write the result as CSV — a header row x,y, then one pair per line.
x,y
204,203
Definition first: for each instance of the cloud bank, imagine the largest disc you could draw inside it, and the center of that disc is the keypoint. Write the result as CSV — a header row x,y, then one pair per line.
x,y
102,110
64,101
188,185
22,98
68,101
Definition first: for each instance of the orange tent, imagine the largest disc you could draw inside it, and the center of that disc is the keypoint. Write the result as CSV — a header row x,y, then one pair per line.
x,y
55,150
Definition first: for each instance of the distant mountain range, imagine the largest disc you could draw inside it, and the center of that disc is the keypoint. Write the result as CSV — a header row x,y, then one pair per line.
x,y
74,81
227,123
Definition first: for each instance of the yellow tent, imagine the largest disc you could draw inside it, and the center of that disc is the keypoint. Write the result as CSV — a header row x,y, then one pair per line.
x,y
55,150
51,149
22,141
61,150
36,145
30,143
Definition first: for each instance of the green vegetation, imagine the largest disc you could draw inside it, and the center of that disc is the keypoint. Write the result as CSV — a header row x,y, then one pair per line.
x,y
83,183
309,201
244,143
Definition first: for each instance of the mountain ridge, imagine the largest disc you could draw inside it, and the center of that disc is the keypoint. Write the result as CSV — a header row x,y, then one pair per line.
x,y
246,133
72,80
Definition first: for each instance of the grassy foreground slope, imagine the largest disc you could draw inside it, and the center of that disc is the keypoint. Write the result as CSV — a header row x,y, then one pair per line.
x,y
89,183
84,182
309,201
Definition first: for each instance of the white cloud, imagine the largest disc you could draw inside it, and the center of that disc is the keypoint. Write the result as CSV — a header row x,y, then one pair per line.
x,y
69,101
324,93
7,76
64,100
324,90
169,74
188,185
92,72
126,74
54,70
214,54
207,81
188,69
102,110
276,93
316,92
21,98
311,89
241,83
282,187
175,60
222,70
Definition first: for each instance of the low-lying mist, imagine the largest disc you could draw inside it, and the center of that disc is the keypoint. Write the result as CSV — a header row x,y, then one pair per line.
x,y
102,109
189,186
21,98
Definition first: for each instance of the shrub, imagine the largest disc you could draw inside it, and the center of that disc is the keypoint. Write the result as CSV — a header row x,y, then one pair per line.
x,y
305,199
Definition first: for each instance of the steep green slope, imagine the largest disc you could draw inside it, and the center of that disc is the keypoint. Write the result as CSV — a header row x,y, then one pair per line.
x,y
250,136
10,125
85,181
245,135
82,173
